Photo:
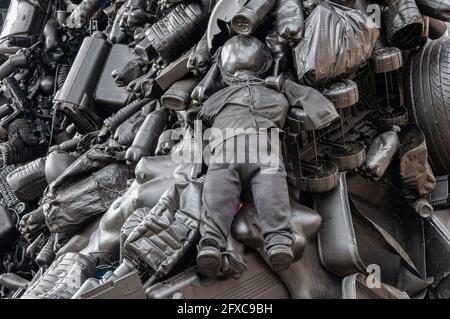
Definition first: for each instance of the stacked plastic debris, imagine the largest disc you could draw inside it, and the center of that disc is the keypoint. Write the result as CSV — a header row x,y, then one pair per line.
x,y
104,189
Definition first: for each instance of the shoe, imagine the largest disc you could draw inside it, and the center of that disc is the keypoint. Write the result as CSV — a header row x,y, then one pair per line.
x,y
209,260
280,257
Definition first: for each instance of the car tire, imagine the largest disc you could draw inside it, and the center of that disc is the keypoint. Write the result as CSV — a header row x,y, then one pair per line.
x,y
428,99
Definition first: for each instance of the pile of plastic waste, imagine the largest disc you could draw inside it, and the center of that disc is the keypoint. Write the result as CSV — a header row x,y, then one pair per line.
x,y
110,117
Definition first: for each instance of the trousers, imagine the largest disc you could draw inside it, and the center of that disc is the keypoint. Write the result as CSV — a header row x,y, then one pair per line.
x,y
225,181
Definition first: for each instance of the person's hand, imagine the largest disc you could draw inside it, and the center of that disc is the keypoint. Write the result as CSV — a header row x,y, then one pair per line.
x,y
290,32
198,95
290,21
198,63
32,224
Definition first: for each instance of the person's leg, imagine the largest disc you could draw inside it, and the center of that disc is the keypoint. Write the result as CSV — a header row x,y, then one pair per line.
x,y
271,198
221,196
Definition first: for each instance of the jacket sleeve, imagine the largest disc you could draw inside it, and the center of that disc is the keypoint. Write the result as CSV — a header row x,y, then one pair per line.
x,y
207,121
320,110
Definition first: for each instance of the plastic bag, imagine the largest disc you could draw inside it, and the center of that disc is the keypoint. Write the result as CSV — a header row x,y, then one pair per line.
x,y
337,41
86,188
78,200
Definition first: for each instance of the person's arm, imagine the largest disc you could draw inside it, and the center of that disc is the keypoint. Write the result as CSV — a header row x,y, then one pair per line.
x,y
211,83
200,58
319,109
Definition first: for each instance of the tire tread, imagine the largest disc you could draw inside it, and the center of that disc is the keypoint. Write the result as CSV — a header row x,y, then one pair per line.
x,y
428,89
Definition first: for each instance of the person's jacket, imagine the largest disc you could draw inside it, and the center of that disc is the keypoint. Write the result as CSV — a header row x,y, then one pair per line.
x,y
241,107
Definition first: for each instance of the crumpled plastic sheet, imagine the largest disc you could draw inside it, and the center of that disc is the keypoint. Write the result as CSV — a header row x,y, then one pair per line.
x,y
68,208
87,188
